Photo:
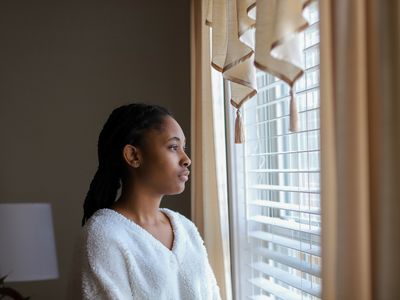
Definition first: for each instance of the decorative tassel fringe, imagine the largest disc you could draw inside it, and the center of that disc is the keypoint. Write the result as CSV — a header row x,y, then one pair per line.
x,y
294,116
239,132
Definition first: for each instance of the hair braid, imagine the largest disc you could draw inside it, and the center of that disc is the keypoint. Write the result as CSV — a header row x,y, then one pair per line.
x,y
127,124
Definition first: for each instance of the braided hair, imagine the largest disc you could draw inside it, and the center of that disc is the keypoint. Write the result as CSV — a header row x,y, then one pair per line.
x,y
127,124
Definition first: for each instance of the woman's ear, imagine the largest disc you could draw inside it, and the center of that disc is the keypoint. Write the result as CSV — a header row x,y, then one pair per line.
x,y
132,155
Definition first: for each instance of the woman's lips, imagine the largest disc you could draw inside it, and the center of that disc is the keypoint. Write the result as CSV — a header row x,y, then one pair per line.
x,y
184,176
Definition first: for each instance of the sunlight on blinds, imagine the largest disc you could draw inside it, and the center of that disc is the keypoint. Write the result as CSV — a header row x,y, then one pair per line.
x,y
281,171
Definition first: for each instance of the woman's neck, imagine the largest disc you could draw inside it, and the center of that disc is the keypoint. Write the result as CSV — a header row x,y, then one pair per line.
x,y
140,205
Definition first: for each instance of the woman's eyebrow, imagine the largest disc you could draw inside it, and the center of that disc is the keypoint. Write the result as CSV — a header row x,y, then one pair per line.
x,y
177,139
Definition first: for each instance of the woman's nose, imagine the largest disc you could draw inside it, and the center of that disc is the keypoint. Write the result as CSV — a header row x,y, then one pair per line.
x,y
186,161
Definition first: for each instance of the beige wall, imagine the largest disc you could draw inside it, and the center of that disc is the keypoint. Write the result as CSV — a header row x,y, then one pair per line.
x,y
64,65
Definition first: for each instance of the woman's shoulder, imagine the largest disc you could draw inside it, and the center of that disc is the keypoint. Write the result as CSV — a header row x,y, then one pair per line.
x,y
101,219
105,235
103,225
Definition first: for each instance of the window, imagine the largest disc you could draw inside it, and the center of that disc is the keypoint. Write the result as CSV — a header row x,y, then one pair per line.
x,y
275,182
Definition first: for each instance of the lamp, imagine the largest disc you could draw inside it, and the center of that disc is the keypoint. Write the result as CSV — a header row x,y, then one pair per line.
x,y
27,247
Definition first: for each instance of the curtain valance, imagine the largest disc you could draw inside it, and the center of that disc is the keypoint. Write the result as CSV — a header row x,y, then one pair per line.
x,y
263,34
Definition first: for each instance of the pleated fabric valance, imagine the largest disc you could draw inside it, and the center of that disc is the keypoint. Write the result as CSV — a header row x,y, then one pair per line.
x,y
247,35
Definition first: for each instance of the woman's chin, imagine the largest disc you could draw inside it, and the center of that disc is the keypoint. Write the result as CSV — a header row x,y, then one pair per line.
x,y
178,189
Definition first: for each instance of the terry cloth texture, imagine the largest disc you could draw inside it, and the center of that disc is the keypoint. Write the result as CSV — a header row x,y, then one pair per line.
x,y
120,260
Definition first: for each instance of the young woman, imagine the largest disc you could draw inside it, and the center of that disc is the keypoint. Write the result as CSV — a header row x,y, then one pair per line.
x,y
132,248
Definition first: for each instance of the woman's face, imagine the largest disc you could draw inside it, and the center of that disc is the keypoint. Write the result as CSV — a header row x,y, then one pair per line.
x,y
163,162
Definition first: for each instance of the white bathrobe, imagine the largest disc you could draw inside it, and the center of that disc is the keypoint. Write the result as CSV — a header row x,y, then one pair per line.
x,y
121,261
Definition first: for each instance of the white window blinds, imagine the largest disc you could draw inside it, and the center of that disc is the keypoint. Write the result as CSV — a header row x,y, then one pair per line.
x,y
277,187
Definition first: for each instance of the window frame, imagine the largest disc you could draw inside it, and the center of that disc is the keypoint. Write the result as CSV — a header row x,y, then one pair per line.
x,y
238,214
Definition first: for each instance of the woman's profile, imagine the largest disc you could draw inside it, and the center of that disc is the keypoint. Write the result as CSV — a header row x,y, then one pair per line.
x,y
131,248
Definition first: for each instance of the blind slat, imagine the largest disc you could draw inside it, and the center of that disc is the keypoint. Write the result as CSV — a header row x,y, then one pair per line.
x,y
306,228
260,297
283,171
282,117
293,280
286,206
273,288
289,261
303,246
281,153
284,188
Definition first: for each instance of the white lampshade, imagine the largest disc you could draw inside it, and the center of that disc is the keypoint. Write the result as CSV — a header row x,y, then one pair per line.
x,y
27,248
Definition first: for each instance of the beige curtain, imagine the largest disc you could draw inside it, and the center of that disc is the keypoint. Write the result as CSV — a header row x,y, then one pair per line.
x,y
360,147
209,209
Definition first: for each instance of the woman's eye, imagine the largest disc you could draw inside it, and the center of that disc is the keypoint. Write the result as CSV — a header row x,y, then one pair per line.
x,y
176,147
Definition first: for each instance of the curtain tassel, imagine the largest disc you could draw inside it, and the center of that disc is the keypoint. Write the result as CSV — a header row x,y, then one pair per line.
x,y
294,116
239,132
